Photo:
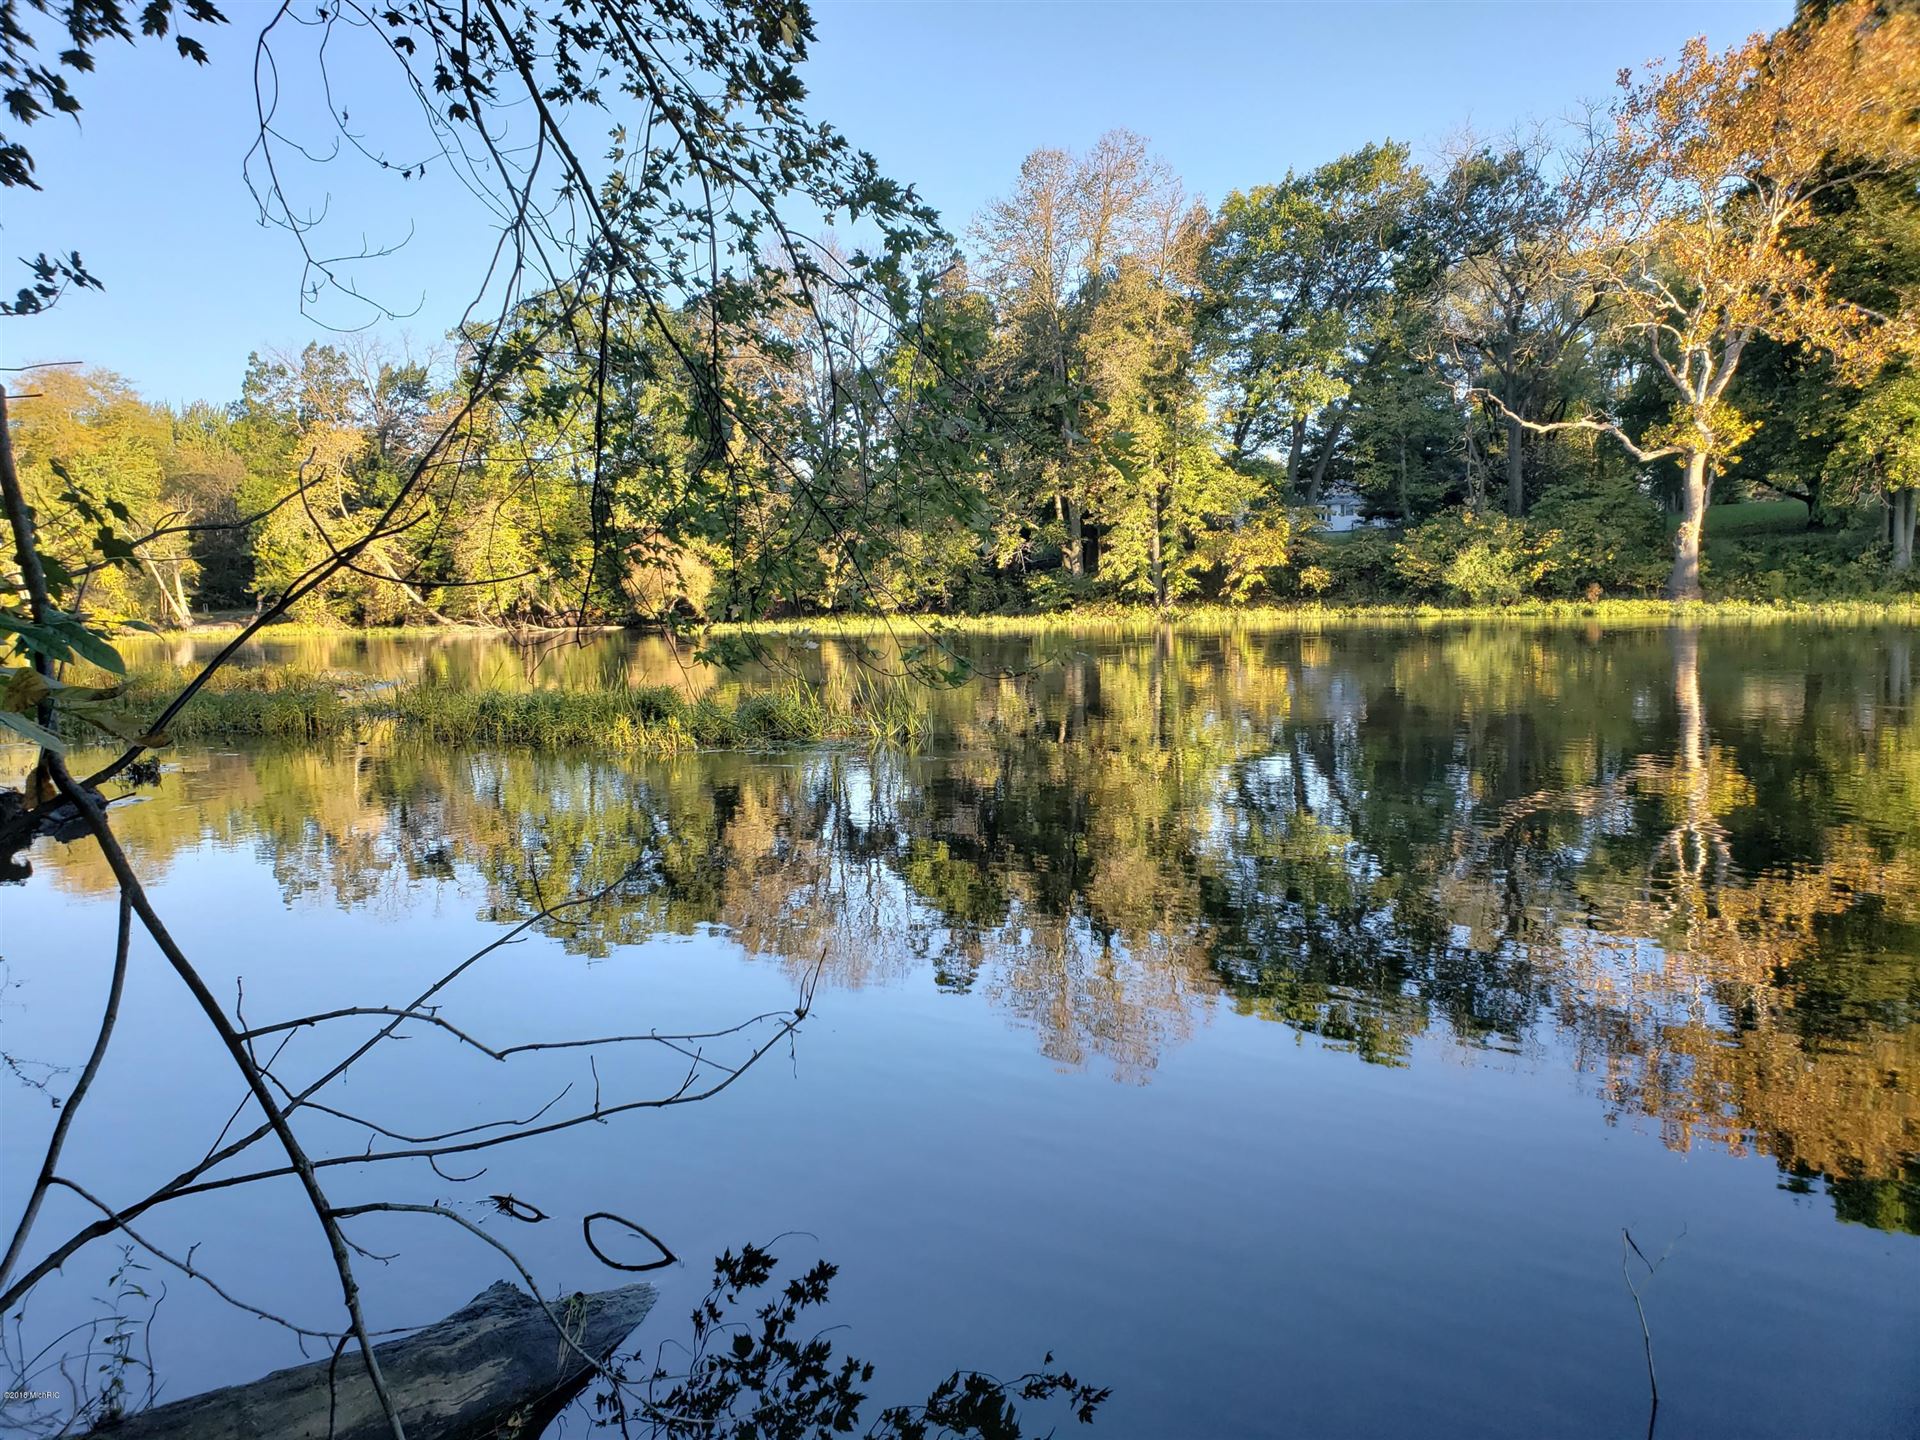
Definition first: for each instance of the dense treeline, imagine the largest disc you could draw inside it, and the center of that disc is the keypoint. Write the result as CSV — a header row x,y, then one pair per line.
x,y
1530,366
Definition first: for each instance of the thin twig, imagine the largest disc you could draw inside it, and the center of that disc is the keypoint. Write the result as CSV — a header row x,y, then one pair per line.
x,y
109,1015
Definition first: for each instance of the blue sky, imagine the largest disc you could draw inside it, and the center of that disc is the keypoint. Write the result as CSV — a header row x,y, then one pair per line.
x,y
949,96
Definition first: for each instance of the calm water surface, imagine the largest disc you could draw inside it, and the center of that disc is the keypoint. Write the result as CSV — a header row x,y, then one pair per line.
x,y
1281,1028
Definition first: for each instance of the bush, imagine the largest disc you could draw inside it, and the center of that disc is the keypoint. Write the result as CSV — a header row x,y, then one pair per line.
x,y
1484,559
1257,554
1049,591
1839,564
1612,536
1358,565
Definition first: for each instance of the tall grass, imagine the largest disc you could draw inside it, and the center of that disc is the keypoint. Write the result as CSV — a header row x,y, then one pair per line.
x,y
291,703
886,709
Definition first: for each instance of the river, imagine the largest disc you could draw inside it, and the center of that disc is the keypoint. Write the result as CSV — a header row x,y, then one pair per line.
x,y
1280,1027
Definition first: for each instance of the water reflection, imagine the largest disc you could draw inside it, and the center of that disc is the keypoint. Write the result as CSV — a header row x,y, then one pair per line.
x,y
1686,860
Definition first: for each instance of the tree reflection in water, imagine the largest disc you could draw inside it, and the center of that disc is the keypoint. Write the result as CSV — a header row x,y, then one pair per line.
x,y
1687,859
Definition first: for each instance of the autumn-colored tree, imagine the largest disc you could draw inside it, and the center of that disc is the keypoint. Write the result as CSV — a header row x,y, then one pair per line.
x,y
1712,169
93,460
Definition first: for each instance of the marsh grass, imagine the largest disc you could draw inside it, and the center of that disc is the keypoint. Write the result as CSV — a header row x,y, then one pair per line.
x,y
282,702
886,709
277,702
878,707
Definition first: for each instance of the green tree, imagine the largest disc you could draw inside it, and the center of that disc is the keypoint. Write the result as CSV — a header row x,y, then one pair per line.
x,y
1515,305
1879,454
1296,277
1046,252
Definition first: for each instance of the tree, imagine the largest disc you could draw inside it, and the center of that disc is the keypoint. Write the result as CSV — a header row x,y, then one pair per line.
x,y
1514,303
1161,489
1405,425
207,471
1046,252
94,462
1879,453
1867,234
1711,171
1296,275
678,224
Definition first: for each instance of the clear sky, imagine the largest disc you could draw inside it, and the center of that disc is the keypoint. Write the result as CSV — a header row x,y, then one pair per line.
x,y
949,96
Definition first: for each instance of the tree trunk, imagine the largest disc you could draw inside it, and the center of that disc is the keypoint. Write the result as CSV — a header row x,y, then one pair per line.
x,y
1406,505
1156,559
180,601
1905,511
1817,517
1070,549
1293,452
1326,455
497,1366
1076,536
1476,482
1695,490
1516,469
165,592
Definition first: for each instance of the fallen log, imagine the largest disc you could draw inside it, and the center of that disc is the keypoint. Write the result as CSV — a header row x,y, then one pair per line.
x,y
495,1368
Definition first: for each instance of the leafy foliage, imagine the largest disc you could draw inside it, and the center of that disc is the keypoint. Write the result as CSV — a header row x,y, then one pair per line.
x,y
1484,559
1118,396
1606,538
762,1379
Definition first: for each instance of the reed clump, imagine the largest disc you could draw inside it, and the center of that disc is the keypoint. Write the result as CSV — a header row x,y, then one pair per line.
x,y
289,703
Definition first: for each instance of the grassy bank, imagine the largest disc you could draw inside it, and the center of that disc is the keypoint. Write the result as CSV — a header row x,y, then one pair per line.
x,y
517,713
292,703
1123,620
225,627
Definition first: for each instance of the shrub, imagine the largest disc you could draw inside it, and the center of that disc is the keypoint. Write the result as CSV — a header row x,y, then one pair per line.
x,y
1258,553
1801,564
1612,536
1359,565
1485,559
1055,590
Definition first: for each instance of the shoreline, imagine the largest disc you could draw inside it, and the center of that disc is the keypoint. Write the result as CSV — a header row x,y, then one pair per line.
x,y
1145,618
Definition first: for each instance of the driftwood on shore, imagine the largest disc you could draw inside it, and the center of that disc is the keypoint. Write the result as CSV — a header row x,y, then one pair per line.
x,y
497,1367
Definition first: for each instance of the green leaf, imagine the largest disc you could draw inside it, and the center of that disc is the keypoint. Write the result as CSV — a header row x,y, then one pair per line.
x,y
29,730
36,639
117,723
89,645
